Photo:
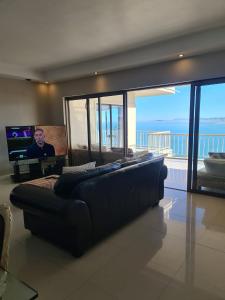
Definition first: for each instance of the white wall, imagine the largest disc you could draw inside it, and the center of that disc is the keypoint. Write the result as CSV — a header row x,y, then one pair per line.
x,y
21,103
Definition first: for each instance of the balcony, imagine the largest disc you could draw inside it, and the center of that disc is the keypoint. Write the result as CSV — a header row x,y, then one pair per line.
x,y
174,146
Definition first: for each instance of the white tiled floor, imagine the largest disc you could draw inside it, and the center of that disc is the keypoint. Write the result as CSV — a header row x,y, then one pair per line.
x,y
177,173
174,251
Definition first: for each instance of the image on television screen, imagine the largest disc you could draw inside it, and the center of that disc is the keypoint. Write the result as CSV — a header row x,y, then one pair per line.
x,y
48,141
19,138
36,142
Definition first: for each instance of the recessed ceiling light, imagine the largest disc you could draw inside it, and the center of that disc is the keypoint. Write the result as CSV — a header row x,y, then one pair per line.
x,y
181,55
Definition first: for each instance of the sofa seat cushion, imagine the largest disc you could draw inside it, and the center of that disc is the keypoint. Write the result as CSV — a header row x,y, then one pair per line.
x,y
68,181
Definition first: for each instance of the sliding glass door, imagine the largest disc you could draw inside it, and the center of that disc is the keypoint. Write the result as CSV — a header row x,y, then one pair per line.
x,y
97,128
158,122
185,125
209,139
93,125
112,125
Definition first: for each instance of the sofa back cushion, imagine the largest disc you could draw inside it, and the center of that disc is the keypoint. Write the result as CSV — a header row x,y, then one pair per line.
x,y
146,156
68,181
107,168
78,169
217,155
129,161
121,151
215,166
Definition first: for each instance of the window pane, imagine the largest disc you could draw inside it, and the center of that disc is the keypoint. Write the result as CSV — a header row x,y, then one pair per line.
x,y
211,145
112,128
158,122
94,131
79,132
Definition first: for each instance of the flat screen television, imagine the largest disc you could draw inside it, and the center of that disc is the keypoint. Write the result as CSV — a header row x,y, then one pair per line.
x,y
36,142
19,138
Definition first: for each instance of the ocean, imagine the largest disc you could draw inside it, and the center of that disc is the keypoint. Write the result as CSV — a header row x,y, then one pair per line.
x,y
178,144
182,126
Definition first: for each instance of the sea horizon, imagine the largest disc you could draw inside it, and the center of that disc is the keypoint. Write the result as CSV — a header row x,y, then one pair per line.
x,y
178,144
207,125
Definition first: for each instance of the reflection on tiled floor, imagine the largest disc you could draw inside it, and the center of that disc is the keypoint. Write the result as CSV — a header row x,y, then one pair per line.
x,y
177,173
174,251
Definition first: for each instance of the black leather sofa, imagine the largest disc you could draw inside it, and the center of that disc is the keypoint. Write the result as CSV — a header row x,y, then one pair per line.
x,y
94,208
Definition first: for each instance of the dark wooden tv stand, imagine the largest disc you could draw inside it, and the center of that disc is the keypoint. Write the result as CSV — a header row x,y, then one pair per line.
x,y
34,171
37,169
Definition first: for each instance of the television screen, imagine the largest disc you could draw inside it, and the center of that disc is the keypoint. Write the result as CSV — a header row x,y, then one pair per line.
x,y
55,139
19,138
31,142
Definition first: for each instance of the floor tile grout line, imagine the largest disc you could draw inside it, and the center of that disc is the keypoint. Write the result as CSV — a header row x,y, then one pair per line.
x,y
211,248
171,280
94,272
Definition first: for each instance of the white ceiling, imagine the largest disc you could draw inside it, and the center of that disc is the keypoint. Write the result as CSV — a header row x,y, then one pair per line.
x,y
47,37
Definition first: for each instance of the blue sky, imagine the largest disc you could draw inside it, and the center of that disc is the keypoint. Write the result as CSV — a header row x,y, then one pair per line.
x,y
173,106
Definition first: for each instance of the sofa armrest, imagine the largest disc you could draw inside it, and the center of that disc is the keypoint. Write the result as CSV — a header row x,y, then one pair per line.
x,y
78,217
73,213
27,196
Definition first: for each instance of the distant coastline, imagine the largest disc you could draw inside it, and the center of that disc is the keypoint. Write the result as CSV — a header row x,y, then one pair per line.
x,y
220,119
207,125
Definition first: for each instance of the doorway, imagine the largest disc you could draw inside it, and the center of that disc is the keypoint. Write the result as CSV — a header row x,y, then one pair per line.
x,y
209,138
158,122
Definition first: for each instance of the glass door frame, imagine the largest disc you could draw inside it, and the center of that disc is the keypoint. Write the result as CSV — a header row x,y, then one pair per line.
x,y
195,106
110,108
88,98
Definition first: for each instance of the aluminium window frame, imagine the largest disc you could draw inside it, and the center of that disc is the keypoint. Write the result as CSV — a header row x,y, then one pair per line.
x,y
194,114
88,98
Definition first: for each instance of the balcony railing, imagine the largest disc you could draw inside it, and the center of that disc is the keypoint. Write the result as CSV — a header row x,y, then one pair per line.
x,y
176,144
170,144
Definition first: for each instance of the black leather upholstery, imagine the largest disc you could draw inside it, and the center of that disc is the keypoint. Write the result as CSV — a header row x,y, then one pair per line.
x,y
95,207
27,195
117,197
66,182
